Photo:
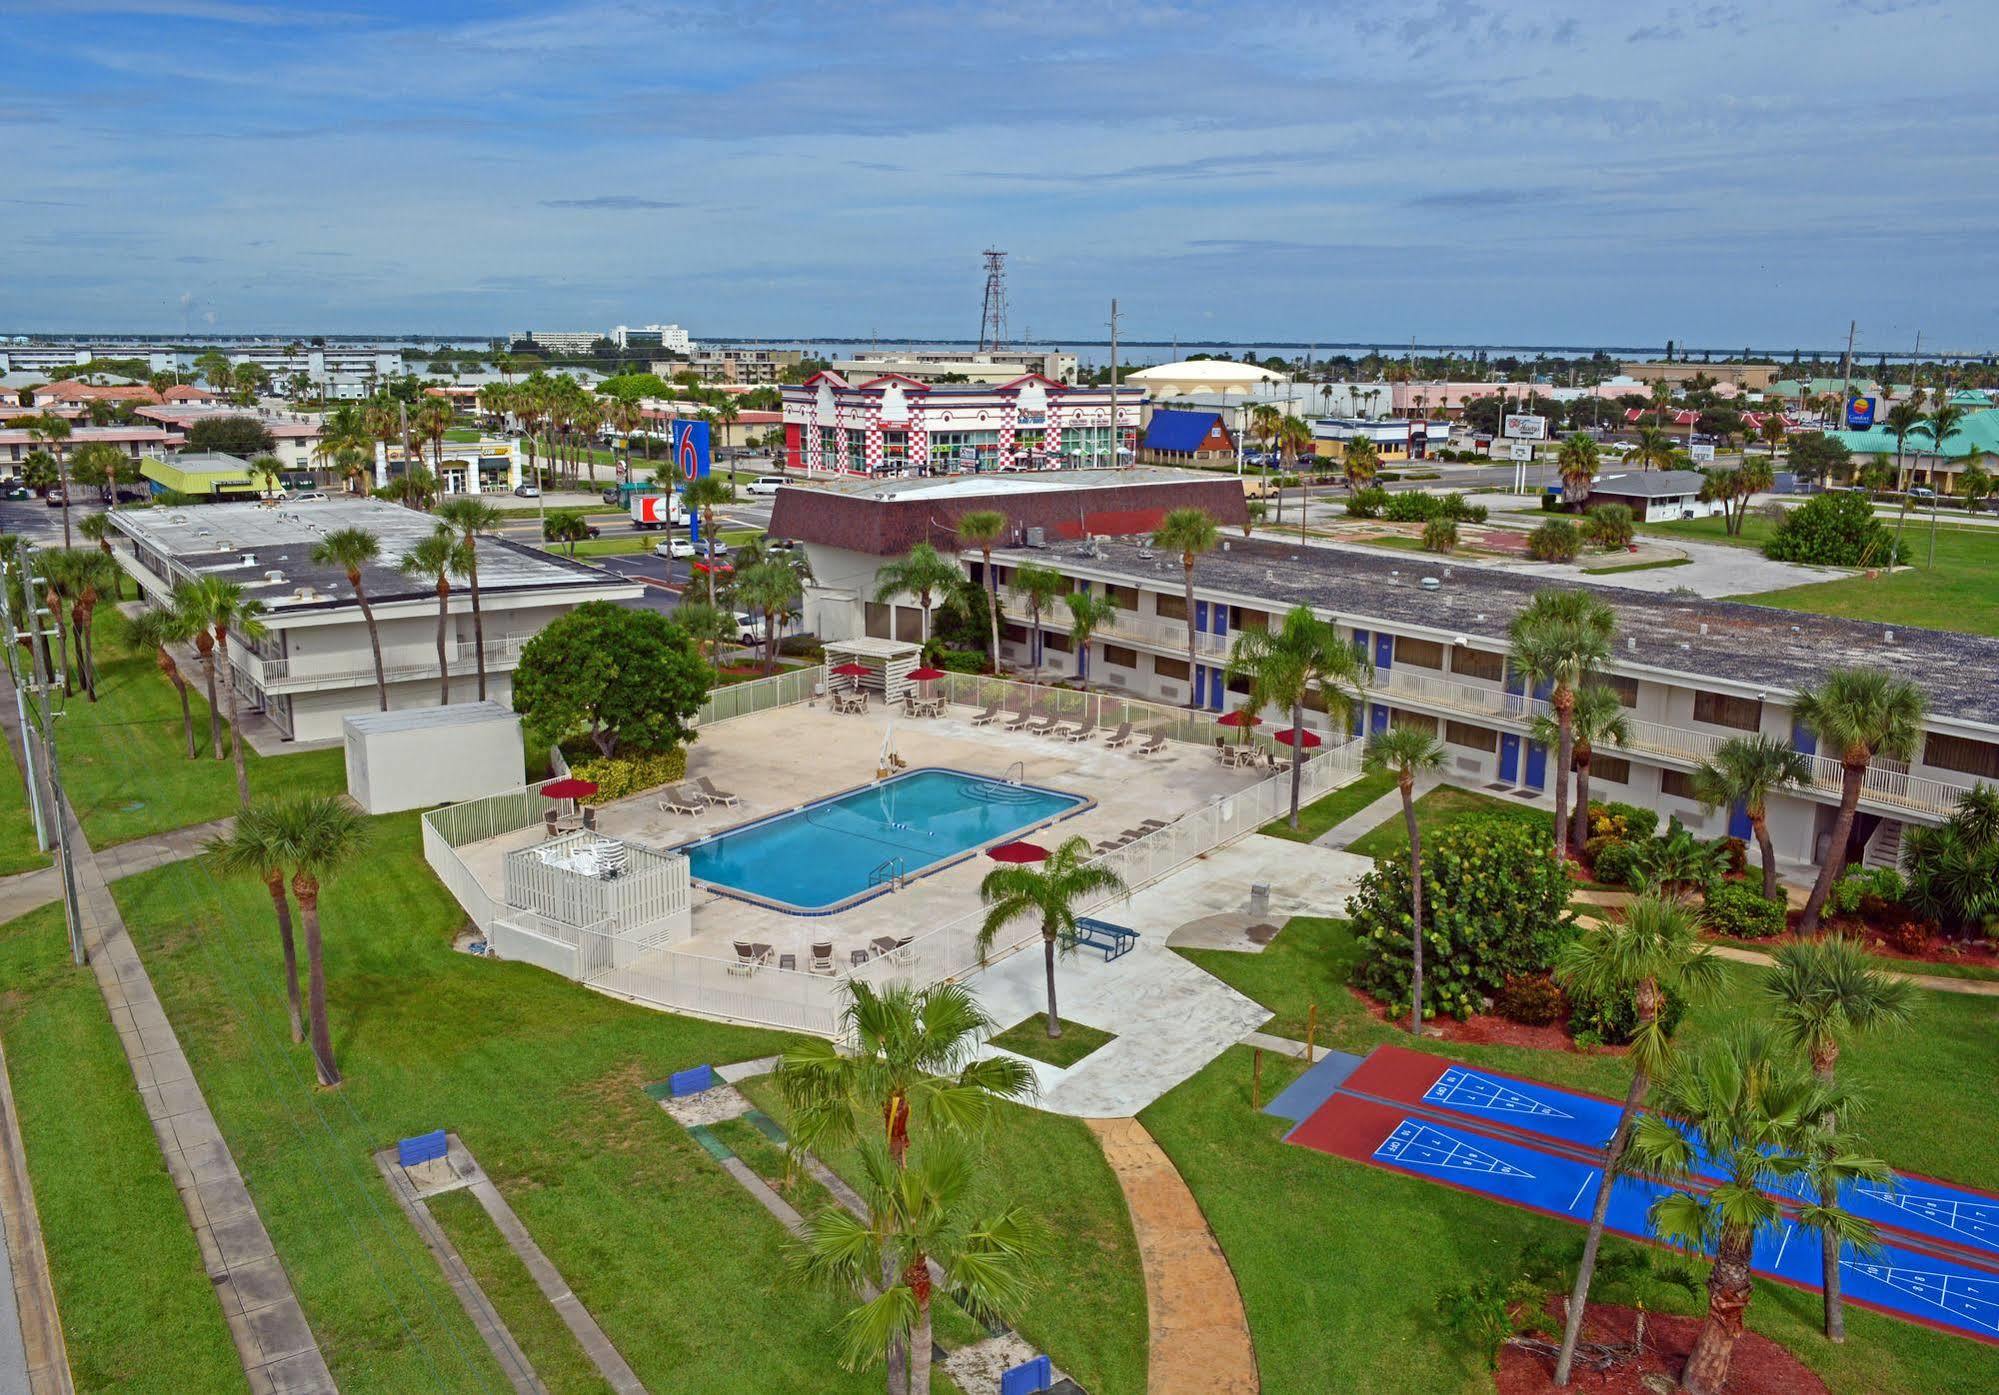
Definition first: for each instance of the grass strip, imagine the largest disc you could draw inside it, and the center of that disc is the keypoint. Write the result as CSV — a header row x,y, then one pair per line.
x,y
1029,1037
1323,815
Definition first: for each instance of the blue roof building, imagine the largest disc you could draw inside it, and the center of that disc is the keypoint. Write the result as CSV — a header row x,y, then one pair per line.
x,y
1180,436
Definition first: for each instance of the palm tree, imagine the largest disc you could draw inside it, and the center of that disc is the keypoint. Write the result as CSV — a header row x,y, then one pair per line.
x,y
97,465
253,845
1598,716
1857,714
351,549
769,587
159,628
1189,532
1088,613
271,471
438,557
317,835
1655,450
188,605
913,1217
1577,462
97,528
52,430
1773,432
221,606
1654,950
921,572
93,572
431,419
1293,437
704,496
981,528
1746,771
1662,398
1360,461
1940,426
1041,586
569,527
471,517
1902,419
1049,893
1302,656
1407,752
1748,1113
1820,992
1562,639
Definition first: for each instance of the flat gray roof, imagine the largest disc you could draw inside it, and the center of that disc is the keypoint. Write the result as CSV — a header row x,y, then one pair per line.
x,y
245,541
1004,482
458,714
1753,646
1650,484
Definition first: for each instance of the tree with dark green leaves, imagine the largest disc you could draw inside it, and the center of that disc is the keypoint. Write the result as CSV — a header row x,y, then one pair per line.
x,y
568,527
352,549
1562,640
921,572
1745,771
1191,532
159,628
243,437
1815,456
627,679
1302,657
981,528
704,496
1835,530
316,836
1405,753
252,845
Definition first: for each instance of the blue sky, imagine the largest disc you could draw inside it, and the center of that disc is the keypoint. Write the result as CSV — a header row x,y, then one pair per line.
x,y
1757,172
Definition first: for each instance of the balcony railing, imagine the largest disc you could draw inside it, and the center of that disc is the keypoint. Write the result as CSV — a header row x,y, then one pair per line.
x,y
304,673
1894,790
1149,630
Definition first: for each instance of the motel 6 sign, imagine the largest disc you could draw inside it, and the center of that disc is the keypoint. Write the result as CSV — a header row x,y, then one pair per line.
x,y
690,448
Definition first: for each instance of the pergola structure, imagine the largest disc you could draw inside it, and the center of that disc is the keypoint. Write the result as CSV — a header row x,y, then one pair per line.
x,y
891,662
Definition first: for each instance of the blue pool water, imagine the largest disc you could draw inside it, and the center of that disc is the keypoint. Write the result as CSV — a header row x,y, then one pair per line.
x,y
815,857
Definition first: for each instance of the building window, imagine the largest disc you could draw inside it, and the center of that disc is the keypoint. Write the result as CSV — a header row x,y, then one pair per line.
x,y
1120,656
1963,754
1679,784
1468,662
1614,769
1721,710
1418,653
1242,618
1239,683
1124,597
1625,688
877,620
1474,738
1013,634
1056,640
1412,721
909,624
1169,605
1169,668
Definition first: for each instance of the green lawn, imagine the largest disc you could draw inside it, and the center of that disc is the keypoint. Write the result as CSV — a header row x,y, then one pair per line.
x,y
1436,811
613,546
1332,810
1029,1037
1960,593
18,852
547,1342
138,1312
1359,1316
1088,1309
124,762
542,1079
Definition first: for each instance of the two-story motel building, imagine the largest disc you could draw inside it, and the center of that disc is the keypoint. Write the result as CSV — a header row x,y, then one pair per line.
x,y
1691,672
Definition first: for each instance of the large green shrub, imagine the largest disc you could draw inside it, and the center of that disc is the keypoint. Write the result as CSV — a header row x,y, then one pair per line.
x,y
1495,905
622,775
1440,535
1555,541
1863,884
1740,911
1616,861
1609,526
1367,503
1595,1021
1638,822
1835,530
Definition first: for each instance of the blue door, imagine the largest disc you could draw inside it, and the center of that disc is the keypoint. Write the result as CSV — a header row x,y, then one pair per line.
x,y
1803,739
1219,614
1083,662
1516,688
1738,822
1537,766
1509,757
1217,689
1378,718
1360,643
1384,651
1201,692
1200,616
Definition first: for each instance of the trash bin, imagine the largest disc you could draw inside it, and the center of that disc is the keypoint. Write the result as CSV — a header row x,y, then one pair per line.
x,y
1259,898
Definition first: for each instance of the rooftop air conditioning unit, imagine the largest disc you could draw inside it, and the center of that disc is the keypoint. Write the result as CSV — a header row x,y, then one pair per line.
x,y
305,593
1431,583
276,578
1037,537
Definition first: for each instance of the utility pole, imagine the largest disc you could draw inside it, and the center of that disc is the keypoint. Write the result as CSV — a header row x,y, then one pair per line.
x,y
39,705
1846,369
1117,436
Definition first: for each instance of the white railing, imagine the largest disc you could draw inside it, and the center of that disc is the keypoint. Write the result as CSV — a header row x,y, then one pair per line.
x,y
684,982
760,695
1149,630
279,675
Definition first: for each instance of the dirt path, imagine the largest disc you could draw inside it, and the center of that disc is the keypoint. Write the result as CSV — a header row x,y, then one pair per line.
x,y
1200,1339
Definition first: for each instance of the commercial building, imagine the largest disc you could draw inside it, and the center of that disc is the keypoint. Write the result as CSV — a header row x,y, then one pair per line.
x,y
750,367
886,425
558,341
202,475
929,366
1750,377
294,435
1186,438
1976,440
312,666
1656,496
17,443
1393,439
670,338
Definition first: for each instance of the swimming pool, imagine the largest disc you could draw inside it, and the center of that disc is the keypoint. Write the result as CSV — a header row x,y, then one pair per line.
x,y
824,856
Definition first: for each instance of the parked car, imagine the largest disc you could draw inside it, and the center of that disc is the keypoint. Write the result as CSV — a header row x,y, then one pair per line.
x,y
55,499
1921,491
764,486
684,546
527,491
309,496
17,491
749,628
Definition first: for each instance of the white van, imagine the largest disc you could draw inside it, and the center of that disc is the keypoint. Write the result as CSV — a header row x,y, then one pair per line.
x,y
764,486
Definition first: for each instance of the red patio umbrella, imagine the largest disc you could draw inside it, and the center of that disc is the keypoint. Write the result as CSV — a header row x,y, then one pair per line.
x,y
927,675
851,670
1297,736
1017,852
569,789
1241,717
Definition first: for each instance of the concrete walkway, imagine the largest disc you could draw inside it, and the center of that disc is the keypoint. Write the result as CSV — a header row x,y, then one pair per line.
x,y
27,891
1200,1341
1936,983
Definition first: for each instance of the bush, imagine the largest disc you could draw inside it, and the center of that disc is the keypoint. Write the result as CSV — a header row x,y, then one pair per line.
x,y
960,660
1609,526
1737,853
1367,503
1595,845
1480,1314
1595,1021
1851,894
1555,541
1908,934
1440,535
618,776
1741,912
1495,905
1639,822
1617,862
1410,507
1835,530
1533,1000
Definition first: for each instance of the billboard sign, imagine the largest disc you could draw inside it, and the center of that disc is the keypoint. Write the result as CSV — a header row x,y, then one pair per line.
x,y
1522,427
1702,452
1522,450
1859,413
690,448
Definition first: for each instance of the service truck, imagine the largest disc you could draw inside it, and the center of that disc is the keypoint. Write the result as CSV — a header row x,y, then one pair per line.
x,y
651,511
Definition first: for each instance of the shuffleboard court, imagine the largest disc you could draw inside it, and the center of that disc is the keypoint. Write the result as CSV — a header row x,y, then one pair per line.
x,y
1955,1220
1945,1293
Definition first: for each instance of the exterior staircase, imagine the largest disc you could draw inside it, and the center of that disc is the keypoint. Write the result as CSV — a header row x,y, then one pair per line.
x,y
1884,849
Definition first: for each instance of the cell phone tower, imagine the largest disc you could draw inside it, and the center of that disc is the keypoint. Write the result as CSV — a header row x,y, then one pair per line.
x,y
992,321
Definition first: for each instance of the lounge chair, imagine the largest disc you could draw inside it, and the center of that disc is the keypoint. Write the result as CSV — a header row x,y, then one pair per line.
x,y
822,958
750,957
713,795
1043,726
989,716
1111,845
1152,747
1153,825
1021,720
1082,731
682,800
1120,737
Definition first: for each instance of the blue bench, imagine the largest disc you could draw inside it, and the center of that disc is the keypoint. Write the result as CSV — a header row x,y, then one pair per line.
x,y
691,1081
1113,940
425,1147
1028,1378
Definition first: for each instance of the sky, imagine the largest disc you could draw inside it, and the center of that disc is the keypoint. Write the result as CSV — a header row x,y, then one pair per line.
x,y
1534,172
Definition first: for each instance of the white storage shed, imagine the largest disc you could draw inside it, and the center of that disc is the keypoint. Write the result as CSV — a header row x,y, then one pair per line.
x,y
421,756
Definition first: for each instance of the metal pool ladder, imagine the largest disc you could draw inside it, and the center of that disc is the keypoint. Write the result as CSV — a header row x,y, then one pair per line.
x,y
1016,774
890,871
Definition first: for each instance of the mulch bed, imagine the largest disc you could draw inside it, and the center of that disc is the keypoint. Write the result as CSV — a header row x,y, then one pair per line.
x,y
1759,1365
1982,953
1486,1029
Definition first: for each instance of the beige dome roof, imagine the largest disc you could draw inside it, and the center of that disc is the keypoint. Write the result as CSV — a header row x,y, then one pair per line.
x,y
1203,375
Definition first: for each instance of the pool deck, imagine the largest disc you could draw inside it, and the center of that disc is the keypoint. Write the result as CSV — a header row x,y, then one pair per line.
x,y
780,759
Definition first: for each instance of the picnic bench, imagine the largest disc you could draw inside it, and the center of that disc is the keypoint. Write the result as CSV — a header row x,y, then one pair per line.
x,y
1113,940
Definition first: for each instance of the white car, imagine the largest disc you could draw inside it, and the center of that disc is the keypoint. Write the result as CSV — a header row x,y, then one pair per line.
x,y
749,628
764,486
308,496
685,547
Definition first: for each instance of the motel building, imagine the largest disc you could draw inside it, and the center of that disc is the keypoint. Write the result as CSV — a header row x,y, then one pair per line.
x,y
1692,673
1656,496
890,424
313,666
